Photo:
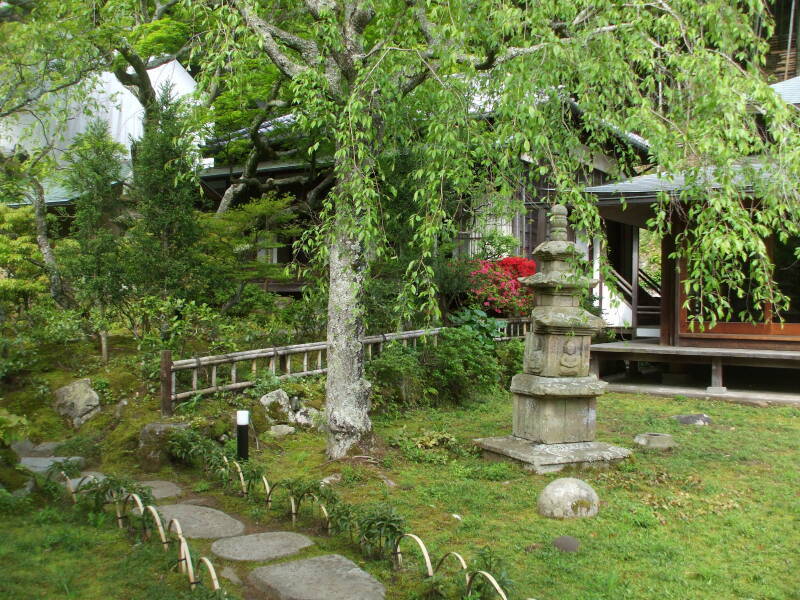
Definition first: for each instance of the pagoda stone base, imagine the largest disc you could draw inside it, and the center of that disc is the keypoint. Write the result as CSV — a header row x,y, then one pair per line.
x,y
549,458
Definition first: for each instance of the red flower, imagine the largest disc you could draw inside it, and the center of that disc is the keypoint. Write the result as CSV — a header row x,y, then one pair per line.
x,y
496,284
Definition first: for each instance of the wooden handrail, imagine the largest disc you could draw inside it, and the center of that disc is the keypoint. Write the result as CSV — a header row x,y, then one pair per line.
x,y
278,360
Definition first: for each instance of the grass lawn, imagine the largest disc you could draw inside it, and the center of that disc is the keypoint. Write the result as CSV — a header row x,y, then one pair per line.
x,y
54,553
717,518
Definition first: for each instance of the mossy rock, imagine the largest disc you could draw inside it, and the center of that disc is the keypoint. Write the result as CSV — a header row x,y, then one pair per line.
x,y
276,413
259,420
216,429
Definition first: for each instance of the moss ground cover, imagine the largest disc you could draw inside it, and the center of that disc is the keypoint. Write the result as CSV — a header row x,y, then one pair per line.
x,y
717,518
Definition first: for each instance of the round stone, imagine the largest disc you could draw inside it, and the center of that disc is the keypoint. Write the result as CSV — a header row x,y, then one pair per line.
x,y
655,441
567,543
201,521
568,498
163,489
260,546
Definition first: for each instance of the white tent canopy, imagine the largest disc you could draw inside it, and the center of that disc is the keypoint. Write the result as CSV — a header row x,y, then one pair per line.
x,y
108,100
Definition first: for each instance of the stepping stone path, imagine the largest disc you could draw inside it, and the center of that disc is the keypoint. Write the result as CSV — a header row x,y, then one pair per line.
x,y
329,577
163,489
261,546
201,521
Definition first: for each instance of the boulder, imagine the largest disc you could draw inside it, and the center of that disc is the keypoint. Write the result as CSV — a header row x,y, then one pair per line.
x,y
282,409
277,405
45,449
23,447
77,402
568,498
331,479
305,417
280,431
153,438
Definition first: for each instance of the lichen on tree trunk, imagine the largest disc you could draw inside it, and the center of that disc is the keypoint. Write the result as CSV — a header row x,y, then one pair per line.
x,y
347,391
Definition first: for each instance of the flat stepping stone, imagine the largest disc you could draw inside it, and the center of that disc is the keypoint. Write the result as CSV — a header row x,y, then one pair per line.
x,y
163,489
201,521
329,577
40,464
261,546
28,448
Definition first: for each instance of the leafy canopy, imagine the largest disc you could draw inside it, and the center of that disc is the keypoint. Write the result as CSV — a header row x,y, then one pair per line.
x,y
464,89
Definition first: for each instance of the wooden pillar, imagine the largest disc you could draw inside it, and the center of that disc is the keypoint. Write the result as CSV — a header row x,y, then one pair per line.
x,y
669,290
717,386
634,279
166,383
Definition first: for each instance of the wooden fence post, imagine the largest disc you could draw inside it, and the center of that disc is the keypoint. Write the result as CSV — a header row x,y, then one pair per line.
x,y
166,383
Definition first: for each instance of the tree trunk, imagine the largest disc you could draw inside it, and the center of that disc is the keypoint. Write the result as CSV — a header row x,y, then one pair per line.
x,y
57,288
347,392
232,192
104,346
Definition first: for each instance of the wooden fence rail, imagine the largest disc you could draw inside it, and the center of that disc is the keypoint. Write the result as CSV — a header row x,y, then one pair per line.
x,y
189,377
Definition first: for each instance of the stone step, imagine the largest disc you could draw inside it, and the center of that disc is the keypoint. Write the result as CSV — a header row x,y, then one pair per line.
x,y
163,489
261,546
201,521
28,448
328,577
40,464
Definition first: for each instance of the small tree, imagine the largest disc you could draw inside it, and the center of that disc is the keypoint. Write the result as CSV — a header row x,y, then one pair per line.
x,y
235,243
95,175
161,257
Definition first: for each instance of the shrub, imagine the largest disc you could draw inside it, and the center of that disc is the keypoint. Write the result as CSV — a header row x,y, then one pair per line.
x,y
379,528
460,365
496,286
509,355
397,376
12,427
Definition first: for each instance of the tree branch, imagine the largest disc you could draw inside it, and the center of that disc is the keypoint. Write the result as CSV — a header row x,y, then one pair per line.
x,y
161,9
267,33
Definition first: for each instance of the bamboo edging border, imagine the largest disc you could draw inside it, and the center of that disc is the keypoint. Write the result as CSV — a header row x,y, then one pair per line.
x,y
430,571
184,553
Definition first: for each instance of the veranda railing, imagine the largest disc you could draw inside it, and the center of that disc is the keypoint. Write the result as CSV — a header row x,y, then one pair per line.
x,y
189,377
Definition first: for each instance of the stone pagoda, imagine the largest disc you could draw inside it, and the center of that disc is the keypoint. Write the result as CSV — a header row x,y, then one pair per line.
x,y
555,396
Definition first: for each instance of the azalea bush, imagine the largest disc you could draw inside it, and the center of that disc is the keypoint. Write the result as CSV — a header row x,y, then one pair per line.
x,y
496,286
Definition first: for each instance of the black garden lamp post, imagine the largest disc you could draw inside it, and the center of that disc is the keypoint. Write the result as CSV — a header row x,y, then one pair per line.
x,y
242,426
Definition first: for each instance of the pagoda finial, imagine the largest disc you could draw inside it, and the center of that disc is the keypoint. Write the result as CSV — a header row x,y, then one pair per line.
x,y
558,223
